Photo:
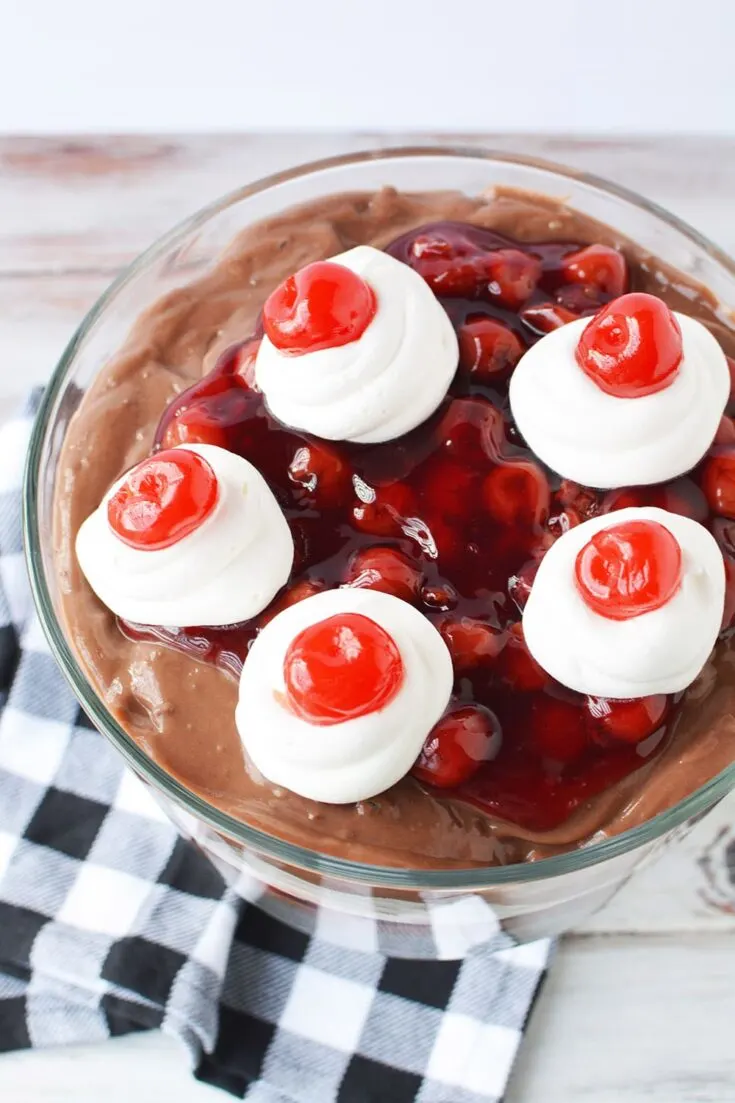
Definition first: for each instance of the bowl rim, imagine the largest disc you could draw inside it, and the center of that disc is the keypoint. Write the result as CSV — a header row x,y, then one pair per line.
x,y
475,878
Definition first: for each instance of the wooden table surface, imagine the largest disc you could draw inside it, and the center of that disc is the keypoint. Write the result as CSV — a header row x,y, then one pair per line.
x,y
640,1004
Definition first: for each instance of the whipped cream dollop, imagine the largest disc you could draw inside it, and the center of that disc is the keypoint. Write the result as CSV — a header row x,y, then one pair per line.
x,y
379,386
661,651
225,571
356,759
600,440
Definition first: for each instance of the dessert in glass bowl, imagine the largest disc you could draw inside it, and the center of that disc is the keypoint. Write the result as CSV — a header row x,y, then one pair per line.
x,y
394,544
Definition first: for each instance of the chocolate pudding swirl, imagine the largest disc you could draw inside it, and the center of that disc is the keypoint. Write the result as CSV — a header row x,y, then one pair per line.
x,y
180,710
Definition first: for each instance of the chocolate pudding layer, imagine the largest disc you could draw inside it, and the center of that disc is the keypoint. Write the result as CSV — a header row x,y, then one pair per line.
x,y
181,710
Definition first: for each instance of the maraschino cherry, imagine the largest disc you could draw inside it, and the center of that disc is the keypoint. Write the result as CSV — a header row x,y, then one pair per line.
x,y
323,305
632,348
341,668
163,499
631,568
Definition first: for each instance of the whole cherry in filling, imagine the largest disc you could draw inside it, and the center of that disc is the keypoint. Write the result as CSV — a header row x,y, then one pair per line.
x,y
341,668
628,569
163,499
597,266
718,480
632,348
322,306
457,746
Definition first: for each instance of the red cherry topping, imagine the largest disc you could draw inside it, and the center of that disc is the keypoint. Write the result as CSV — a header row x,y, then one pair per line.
x,y
629,721
385,569
629,569
472,643
718,480
322,473
558,729
457,746
341,668
680,496
471,430
584,501
518,667
382,510
435,535
545,317
213,410
562,522
488,350
447,486
597,266
520,585
632,348
456,266
428,246
244,362
163,499
440,597
579,300
307,587
429,518
513,276
517,494
322,306
450,267
195,425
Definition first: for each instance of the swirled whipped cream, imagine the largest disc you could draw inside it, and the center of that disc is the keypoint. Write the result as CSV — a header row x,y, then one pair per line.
x,y
225,571
661,651
360,757
379,386
600,440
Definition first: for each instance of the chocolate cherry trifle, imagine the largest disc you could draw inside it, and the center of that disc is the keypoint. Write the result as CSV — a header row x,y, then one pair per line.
x,y
407,532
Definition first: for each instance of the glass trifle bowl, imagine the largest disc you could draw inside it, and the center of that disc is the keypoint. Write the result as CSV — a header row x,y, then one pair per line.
x,y
410,912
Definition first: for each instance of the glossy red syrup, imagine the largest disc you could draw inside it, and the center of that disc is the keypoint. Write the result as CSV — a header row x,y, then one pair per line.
x,y
455,518
163,499
341,668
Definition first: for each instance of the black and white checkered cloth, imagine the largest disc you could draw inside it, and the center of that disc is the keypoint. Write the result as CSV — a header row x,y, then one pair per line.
x,y
110,923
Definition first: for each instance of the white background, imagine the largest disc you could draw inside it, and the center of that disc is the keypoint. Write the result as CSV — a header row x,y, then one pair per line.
x,y
494,65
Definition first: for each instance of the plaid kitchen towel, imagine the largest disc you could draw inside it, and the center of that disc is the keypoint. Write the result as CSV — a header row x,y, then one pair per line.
x,y
111,923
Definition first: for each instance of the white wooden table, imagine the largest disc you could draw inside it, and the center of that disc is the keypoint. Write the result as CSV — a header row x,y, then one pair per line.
x,y
640,1005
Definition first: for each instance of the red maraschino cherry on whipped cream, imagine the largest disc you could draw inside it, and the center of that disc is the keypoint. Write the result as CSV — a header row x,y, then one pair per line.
x,y
190,536
632,397
638,595
339,692
391,373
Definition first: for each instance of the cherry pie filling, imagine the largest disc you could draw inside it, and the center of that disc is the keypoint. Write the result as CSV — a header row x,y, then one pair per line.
x,y
455,517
